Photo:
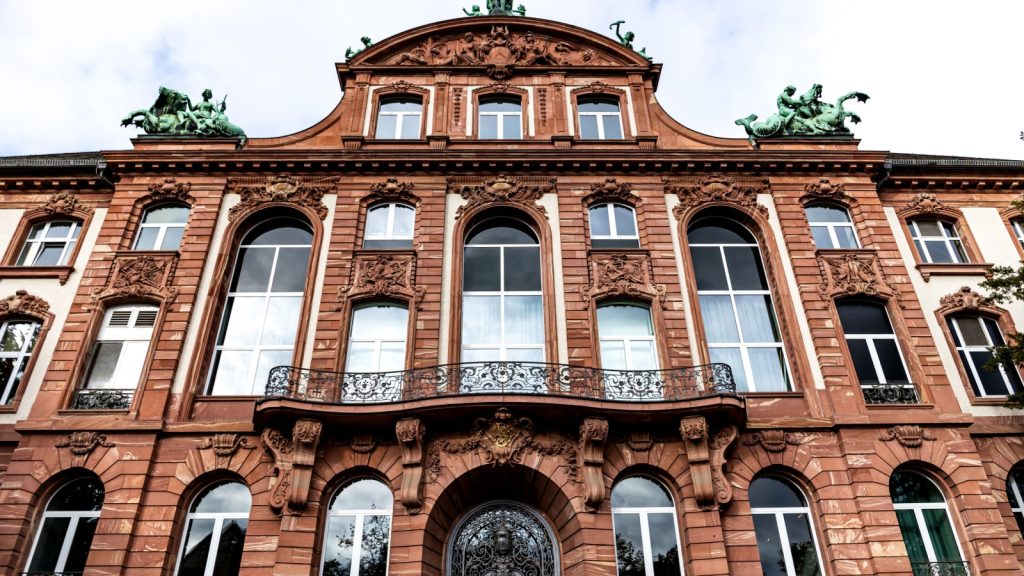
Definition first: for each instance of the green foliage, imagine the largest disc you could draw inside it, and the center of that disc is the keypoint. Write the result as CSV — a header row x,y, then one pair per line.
x,y
1005,286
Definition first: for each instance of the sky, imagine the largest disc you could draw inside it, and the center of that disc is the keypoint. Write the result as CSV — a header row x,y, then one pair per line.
x,y
945,77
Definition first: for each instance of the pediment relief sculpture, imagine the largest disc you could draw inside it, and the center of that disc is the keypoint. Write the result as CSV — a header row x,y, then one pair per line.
x,y
21,302
306,192
391,275
171,189
695,193
622,275
853,273
64,203
502,190
134,275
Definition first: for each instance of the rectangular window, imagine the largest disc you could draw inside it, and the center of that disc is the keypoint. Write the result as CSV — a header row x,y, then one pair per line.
x,y
937,242
974,337
117,359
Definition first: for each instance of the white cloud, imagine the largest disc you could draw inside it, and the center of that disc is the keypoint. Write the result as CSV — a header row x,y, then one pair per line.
x,y
944,76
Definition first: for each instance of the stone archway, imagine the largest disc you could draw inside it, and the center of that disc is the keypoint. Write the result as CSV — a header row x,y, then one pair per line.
x,y
502,538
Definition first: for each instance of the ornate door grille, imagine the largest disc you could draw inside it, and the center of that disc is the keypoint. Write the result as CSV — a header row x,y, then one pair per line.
x,y
503,539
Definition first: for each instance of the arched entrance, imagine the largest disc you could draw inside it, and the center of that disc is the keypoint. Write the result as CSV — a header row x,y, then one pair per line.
x,y
502,539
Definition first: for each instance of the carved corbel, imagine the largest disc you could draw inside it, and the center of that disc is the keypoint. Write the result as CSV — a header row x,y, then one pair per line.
x,y
224,446
82,444
293,462
910,436
706,455
410,433
593,434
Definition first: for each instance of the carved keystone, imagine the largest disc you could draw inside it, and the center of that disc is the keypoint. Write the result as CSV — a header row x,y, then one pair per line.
x,y
706,454
410,433
82,444
593,434
293,461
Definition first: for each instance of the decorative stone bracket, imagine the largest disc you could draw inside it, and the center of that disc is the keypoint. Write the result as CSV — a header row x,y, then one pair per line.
x,y
593,434
82,444
293,462
622,275
910,436
772,440
410,432
706,455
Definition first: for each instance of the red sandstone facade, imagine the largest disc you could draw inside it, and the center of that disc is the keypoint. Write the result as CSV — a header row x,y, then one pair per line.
x,y
562,454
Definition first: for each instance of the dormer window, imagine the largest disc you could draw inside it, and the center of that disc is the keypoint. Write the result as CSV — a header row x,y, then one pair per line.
x,y
399,119
501,118
600,118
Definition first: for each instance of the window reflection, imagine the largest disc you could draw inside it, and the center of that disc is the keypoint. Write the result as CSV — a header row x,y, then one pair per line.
x,y
67,527
215,531
646,535
358,531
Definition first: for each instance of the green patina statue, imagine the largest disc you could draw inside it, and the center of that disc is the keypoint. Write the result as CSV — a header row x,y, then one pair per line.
x,y
627,38
805,115
497,8
173,114
349,53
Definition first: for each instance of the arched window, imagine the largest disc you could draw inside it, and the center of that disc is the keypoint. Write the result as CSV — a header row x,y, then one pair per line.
x,y
17,341
162,227
937,241
389,225
1014,485
358,535
50,243
646,538
974,336
600,118
785,534
399,118
1017,224
264,301
66,529
500,118
117,360
739,318
928,534
613,226
215,531
502,306
875,352
831,227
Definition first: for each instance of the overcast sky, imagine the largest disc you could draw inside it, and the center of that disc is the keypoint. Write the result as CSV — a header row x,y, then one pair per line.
x,y
945,77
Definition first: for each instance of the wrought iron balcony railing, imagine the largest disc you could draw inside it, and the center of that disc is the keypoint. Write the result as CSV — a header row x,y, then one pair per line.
x,y
103,399
500,378
890,393
940,568
52,573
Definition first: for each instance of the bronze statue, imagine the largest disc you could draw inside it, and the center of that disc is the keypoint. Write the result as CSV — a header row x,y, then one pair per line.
x,y
349,53
627,38
174,114
806,115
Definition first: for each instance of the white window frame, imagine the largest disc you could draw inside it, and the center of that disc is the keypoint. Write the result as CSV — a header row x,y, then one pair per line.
x,y
645,530
134,340
389,227
600,116
918,509
500,115
399,118
744,347
873,352
920,240
360,515
161,228
832,226
31,248
377,342
69,535
1011,485
779,513
971,368
1017,224
609,209
626,341
21,357
218,526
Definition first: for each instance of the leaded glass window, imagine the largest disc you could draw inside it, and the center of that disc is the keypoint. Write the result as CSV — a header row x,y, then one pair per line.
x,y
786,540
937,241
831,227
646,534
358,534
600,118
66,529
162,227
215,531
399,119
501,118
925,524
50,243
974,336
17,342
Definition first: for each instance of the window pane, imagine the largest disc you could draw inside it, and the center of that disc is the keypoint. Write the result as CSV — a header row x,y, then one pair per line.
x,y
599,223
613,355
624,320
526,355
928,227
268,360
401,105
708,268
341,532
863,318
522,269
958,251
49,254
405,219
410,127
481,320
822,213
991,380
197,547
757,320
362,357
912,536
380,321
719,231
588,127
745,268
482,269
48,543
629,547
229,553
801,545
500,105
911,488
147,239
373,554
972,330
387,125
1016,477
524,323
282,320
719,320
769,369
664,547
19,336
822,239
769,545
939,252
377,221
770,492
512,127
290,274
892,363
228,497
363,495
732,357
59,230
8,366
392,356
253,270
231,373
862,363
488,127
502,231
941,533
80,545
82,495
639,492
279,232
598,105
244,320
172,238
644,357
612,128
624,224
104,364
847,237
166,215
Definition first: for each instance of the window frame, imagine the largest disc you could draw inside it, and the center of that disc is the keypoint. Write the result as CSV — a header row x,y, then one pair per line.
x,y
60,206
369,303
831,226
645,530
919,241
507,96
918,507
613,235
969,369
779,514
74,517
1012,486
381,99
30,249
11,392
627,340
217,517
134,310
389,235
360,515
600,90
582,99
161,227
869,339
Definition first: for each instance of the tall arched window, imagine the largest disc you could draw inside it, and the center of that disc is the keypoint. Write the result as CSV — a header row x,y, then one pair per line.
x,y
1014,485
502,305
928,534
785,534
358,535
66,528
974,336
162,227
500,118
264,301
17,341
739,318
600,118
399,118
646,538
215,531
831,226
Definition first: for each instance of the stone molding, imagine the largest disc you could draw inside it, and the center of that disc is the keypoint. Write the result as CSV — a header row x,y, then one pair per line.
x,y
410,433
306,192
825,190
392,275
705,452
611,190
391,190
294,456
965,299
82,443
773,441
853,272
622,274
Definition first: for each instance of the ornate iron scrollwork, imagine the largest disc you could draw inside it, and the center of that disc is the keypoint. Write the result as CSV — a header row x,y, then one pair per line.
x,y
103,399
878,393
940,568
503,539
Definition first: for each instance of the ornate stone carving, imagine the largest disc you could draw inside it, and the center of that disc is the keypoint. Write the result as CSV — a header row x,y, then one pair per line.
x,y
963,299
639,441
597,86
134,275
64,203
225,446
401,86
824,189
611,191
772,440
910,436
391,275
706,455
293,462
853,272
695,193
593,434
504,190
391,190
171,189
924,203
24,303
304,192
622,275
410,432
82,444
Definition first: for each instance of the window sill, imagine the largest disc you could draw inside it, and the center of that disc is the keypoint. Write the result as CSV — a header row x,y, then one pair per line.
x,y
61,273
998,401
929,270
918,406
84,411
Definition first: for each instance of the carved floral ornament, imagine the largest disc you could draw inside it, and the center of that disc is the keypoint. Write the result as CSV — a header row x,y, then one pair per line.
x,y
622,275
392,275
611,190
910,436
694,194
294,455
225,445
924,203
852,273
772,440
82,443
139,276
825,190
24,303
171,189
503,190
64,203
305,192
964,299
391,190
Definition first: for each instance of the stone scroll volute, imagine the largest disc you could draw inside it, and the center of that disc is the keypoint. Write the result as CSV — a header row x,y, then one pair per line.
x,y
410,433
294,456
593,435
705,451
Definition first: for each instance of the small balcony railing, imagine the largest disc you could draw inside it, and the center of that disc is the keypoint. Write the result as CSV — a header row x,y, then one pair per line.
x,y
891,393
940,568
500,378
52,573
103,399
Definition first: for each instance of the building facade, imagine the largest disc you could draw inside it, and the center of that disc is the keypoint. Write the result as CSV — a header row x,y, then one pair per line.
x,y
498,313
